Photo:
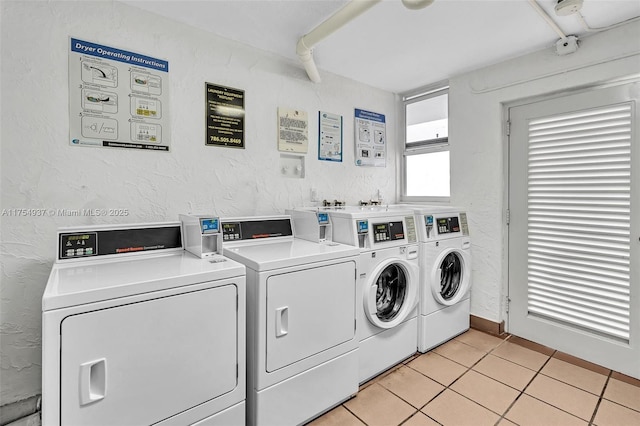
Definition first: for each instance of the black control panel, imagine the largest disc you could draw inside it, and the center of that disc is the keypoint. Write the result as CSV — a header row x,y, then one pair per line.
x,y
254,229
447,225
388,231
72,245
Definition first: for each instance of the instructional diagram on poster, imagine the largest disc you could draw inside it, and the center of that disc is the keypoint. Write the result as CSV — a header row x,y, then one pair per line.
x,y
370,138
329,136
293,130
117,98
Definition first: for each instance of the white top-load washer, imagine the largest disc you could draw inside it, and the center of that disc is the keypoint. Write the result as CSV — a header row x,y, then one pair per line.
x,y
445,268
387,295
138,331
301,310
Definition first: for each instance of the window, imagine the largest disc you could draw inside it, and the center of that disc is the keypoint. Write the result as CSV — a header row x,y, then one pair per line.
x,y
425,167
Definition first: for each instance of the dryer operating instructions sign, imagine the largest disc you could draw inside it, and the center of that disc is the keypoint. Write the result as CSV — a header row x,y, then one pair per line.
x,y
117,98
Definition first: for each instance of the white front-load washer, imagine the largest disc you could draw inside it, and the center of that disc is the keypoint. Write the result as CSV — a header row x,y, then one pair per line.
x,y
387,283
138,331
445,269
301,312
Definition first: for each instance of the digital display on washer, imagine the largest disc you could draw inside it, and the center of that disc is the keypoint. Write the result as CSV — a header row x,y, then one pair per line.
x,y
323,218
447,225
390,231
209,225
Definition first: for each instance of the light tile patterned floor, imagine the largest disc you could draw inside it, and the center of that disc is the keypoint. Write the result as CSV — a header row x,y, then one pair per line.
x,y
478,379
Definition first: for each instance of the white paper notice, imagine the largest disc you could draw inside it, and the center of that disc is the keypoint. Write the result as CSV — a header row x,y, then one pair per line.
x,y
293,130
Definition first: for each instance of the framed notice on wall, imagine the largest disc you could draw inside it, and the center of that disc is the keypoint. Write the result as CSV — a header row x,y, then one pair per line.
x,y
225,116
117,98
370,138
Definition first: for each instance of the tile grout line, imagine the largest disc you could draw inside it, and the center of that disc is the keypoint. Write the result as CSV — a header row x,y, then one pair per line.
x,y
604,388
524,388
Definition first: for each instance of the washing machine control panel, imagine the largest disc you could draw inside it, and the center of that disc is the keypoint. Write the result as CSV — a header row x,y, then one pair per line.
x,y
388,231
117,241
447,225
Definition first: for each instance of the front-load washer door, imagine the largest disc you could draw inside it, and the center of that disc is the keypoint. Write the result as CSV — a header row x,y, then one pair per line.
x,y
391,294
450,276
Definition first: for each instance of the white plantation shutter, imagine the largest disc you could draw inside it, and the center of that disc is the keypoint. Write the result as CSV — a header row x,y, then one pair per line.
x,y
578,227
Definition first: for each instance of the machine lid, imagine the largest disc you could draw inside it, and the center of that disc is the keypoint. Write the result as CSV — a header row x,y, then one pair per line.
x,y
86,282
283,254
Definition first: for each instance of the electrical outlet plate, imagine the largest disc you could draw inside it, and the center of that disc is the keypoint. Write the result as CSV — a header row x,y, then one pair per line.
x,y
292,166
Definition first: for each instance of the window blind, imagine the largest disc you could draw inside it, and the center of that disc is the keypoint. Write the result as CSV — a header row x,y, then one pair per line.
x,y
579,191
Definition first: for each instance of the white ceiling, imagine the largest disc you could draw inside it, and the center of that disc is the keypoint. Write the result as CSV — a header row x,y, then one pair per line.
x,y
389,46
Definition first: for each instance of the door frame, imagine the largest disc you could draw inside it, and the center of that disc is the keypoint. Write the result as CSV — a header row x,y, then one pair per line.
x,y
506,106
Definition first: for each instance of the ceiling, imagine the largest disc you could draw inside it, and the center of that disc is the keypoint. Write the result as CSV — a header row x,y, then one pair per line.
x,y
389,46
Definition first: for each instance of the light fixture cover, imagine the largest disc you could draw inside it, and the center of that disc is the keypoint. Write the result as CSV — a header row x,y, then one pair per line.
x,y
568,7
416,4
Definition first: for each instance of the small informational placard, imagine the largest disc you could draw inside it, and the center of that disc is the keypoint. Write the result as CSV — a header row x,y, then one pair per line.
x,y
293,130
117,98
329,136
225,116
370,138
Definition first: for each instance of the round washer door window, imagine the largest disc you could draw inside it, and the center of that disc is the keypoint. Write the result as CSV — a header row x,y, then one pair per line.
x,y
450,275
391,292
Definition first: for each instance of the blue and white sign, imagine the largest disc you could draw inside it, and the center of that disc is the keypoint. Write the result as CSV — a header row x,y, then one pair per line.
x,y
370,138
117,98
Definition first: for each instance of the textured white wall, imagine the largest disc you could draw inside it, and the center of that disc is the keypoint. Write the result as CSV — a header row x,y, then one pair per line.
x,y
478,141
41,170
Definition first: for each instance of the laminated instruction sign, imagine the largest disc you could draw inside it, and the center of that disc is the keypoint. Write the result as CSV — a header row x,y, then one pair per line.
x,y
117,98
329,136
293,134
225,116
370,138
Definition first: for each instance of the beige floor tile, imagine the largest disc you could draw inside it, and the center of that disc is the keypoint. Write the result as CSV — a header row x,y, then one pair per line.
x,y
577,376
377,406
505,371
505,422
521,355
460,352
339,416
479,340
411,386
528,411
419,419
449,408
561,395
487,392
623,394
440,369
611,414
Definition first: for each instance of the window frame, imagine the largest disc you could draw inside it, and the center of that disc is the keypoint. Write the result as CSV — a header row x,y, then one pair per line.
x,y
422,147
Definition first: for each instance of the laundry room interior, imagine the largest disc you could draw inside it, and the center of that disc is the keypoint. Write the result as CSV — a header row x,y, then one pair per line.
x,y
308,211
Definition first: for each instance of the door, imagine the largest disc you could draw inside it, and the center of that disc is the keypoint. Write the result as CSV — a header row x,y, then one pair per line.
x,y
143,362
574,225
450,277
309,311
391,294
